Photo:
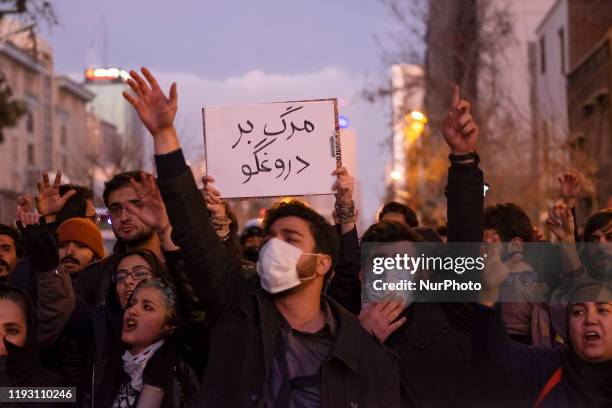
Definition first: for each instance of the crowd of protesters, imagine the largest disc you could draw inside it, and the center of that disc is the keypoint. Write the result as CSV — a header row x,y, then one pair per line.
x,y
187,312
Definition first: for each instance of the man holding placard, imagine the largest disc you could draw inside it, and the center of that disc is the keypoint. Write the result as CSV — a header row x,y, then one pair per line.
x,y
275,340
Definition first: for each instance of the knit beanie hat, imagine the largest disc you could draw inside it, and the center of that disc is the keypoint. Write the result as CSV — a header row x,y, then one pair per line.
x,y
83,231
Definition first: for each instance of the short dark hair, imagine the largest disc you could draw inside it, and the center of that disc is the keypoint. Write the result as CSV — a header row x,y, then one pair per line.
x,y
394,207
119,181
509,221
325,235
76,207
390,231
13,233
596,221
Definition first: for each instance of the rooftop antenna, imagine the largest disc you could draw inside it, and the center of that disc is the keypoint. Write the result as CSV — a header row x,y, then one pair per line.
x,y
104,41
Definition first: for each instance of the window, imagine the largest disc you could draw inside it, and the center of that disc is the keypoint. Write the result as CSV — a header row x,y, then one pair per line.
x,y
63,136
542,55
30,122
562,48
31,154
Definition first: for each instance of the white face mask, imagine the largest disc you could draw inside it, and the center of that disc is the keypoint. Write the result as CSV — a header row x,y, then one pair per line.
x,y
277,266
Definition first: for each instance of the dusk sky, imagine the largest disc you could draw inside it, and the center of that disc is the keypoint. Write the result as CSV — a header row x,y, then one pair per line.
x,y
235,52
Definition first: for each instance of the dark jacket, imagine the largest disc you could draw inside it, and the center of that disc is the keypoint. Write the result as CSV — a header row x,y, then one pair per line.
x,y
93,282
435,344
21,367
345,286
167,369
510,369
245,324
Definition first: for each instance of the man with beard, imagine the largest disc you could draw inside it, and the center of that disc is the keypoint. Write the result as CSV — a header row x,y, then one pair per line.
x,y
275,340
9,242
526,316
93,282
80,244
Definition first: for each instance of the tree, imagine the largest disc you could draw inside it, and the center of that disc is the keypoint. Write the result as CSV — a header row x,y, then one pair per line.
x,y
468,42
28,13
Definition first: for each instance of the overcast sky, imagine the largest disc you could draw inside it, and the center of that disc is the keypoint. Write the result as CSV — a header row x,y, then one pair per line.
x,y
234,52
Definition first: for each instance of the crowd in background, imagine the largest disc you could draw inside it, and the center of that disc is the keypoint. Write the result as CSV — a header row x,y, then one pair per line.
x,y
187,312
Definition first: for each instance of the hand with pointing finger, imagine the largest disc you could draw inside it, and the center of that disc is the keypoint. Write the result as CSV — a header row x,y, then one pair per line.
x,y
460,130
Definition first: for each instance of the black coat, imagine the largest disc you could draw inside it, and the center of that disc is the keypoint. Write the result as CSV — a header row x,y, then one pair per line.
x,y
245,324
167,369
435,344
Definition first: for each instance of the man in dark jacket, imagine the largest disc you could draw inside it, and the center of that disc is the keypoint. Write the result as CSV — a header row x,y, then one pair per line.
x,y
261,335
435,342
94,281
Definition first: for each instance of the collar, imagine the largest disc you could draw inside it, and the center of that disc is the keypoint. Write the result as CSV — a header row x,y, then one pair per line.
x,y
349,336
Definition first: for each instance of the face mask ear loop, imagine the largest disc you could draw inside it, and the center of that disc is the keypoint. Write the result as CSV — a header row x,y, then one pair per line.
x,y
314,275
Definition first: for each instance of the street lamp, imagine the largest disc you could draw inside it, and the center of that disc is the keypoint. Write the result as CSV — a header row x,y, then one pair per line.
x,y
415,124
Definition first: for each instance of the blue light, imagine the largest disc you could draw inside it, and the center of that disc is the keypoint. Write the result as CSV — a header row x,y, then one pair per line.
x,y
343,122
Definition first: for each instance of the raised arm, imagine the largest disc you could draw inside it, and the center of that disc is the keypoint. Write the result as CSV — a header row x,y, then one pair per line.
x,y
465,188
56,299
502,366
213,272
345,286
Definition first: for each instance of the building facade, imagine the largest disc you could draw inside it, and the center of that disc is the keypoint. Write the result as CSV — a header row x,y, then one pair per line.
x,y
590,119
47,136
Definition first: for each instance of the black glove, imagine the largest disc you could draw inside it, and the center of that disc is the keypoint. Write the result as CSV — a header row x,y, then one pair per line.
x,y
40,246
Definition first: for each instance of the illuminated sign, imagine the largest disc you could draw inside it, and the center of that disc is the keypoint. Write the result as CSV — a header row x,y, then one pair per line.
x,y
106,74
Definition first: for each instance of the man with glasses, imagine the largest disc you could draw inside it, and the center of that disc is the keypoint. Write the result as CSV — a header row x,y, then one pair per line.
x,y
131,233
527,319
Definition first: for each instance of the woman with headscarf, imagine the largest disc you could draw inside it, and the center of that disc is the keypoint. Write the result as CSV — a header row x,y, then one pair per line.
x,y
576,375
92,333
19,364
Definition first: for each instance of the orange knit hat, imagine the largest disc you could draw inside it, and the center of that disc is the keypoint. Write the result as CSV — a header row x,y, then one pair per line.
x,y
83,231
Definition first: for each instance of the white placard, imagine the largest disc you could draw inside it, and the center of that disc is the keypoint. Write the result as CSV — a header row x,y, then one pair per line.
x,y
272,149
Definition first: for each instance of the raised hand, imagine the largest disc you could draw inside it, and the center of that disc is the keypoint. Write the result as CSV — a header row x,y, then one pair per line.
x,y
25,203
151,209
156,111
212,197
49,201
380,318
28,218
570,187
460,130
494,274
560,221
344,185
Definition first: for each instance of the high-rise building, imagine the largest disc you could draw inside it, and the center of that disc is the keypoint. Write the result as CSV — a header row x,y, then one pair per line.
x,y
108,84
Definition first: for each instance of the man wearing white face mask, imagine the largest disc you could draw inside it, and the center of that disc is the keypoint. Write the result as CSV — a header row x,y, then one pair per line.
x,y
276,341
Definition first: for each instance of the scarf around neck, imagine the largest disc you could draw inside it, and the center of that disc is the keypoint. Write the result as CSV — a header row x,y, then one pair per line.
x,y
134,366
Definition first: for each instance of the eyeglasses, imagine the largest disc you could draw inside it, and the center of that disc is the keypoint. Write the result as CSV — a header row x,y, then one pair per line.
x,y
115,210
94,218
527,278
137,274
